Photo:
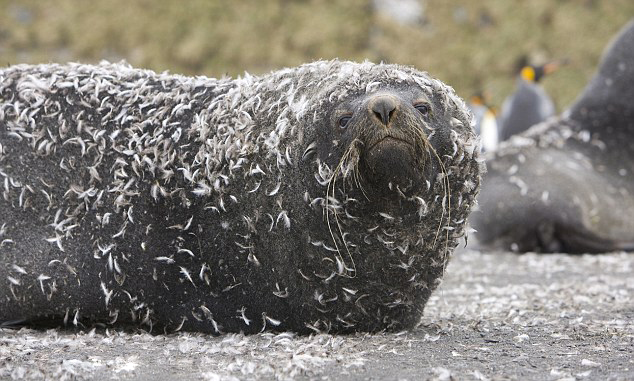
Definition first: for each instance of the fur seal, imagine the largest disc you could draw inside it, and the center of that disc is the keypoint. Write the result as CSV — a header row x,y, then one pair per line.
x,y
326,197
567,185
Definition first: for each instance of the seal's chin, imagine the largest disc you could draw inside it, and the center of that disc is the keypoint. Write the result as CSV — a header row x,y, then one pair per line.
x,y
391,165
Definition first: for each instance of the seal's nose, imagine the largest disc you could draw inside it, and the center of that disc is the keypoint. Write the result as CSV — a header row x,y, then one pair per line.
x,y
383,108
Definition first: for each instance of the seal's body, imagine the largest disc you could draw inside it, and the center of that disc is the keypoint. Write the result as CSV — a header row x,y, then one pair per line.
x,y
324,197
567,185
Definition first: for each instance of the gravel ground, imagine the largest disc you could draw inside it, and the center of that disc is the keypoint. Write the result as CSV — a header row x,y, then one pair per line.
x,y
497,316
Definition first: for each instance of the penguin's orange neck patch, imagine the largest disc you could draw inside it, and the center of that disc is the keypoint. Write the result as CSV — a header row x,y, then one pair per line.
x,y
528,74
477,100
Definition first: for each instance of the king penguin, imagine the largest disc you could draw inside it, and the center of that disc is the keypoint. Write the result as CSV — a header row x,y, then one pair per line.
x,y
485,121
529,104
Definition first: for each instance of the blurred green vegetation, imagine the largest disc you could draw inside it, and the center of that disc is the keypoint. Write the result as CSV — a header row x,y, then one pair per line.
x,y
471,45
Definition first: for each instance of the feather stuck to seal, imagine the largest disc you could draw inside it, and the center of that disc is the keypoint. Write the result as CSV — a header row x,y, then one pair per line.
x,y
227,205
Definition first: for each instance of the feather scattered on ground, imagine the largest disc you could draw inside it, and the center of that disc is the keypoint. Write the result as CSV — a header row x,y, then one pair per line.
x,y
496,316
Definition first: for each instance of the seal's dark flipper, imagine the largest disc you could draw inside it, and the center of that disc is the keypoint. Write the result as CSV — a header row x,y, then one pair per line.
x,y
569,239
549,237
573,242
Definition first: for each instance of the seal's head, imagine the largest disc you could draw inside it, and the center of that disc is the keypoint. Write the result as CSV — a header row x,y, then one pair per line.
x,y
389,170
389,131
386,127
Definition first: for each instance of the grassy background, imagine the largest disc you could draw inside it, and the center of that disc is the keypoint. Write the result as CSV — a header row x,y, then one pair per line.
x,y
469,44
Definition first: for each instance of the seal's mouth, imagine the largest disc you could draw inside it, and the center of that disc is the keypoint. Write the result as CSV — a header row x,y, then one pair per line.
x,y
387,138
393,164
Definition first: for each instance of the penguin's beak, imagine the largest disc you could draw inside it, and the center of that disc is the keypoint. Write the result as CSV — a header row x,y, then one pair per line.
x,y
551,67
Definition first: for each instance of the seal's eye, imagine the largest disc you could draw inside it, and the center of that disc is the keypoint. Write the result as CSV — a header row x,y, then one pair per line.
x,y
423,108
344,120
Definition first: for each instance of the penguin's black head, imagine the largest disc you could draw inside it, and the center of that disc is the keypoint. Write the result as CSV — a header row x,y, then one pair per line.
x,y
534,74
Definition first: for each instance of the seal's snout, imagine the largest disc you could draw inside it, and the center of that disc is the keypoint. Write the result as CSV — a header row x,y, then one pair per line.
x,y
383,107
392,156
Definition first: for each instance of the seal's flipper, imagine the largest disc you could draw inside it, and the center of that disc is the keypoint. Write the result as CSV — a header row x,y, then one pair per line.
x,y
606,102
575,241
551,238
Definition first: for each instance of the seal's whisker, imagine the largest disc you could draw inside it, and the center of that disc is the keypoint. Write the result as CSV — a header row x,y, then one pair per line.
x,y
355,171
352,148
447,193
330,192
445,184
357,179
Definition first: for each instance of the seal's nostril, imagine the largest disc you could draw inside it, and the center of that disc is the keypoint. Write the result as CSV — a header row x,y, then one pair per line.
x,y
385,120
383,108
